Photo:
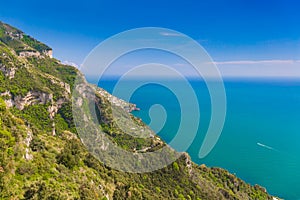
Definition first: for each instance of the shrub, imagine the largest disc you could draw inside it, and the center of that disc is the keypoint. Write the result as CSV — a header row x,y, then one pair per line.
x,y
37,144
69,156
2,105
175,166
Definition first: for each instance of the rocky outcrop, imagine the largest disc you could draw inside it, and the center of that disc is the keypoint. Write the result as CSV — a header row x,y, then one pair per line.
x,y
7,99
36,97
8,72
53,129
52,109
48,53
27,141
64,85
188,163
32,97
29,54
16,35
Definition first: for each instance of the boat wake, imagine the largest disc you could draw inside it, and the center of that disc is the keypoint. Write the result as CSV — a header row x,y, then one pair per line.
x,y
266,146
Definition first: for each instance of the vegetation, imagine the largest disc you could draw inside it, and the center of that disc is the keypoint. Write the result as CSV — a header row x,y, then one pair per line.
x,y
35,164
18,41
35,44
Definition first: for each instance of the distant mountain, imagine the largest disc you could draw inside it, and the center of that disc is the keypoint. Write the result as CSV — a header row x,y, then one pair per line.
x,y
42,157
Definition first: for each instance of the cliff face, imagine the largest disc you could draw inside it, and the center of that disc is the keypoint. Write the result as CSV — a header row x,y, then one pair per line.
x,y
42,157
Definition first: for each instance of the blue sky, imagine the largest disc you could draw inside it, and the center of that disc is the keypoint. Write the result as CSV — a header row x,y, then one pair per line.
x,y
241,36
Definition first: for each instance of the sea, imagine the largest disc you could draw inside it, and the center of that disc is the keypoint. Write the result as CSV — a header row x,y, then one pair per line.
x,y
260,140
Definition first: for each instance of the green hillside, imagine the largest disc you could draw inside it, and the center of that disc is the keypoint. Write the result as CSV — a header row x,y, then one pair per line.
x,y
42,156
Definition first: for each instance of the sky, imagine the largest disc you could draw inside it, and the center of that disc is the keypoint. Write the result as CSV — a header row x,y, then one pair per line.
x,y
243,37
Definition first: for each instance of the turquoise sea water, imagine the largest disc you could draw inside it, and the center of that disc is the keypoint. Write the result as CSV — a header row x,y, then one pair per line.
x,y
260,142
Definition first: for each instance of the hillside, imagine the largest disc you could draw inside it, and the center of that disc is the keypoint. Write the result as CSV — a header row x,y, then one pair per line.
x,y
42,156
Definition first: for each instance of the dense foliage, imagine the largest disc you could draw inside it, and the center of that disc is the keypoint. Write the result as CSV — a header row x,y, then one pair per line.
x,y
35,44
